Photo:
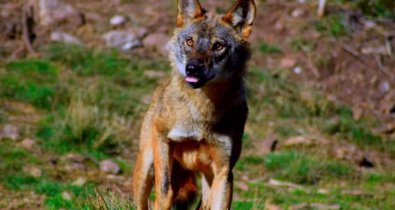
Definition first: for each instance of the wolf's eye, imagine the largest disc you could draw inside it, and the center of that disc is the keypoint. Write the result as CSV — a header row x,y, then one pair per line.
x,y
189,42
218,46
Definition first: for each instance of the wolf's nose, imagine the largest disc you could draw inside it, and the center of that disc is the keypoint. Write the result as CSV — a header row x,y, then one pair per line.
x,y
194,67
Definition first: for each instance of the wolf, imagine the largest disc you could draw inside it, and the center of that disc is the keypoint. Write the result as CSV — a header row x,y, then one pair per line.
x,y
195,122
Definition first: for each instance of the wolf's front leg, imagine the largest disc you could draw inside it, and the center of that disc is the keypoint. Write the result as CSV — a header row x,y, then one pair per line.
x,y
163,166
221,190
143,177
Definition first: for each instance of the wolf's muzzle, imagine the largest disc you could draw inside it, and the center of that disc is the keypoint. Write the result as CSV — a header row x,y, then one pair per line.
x,y
194,68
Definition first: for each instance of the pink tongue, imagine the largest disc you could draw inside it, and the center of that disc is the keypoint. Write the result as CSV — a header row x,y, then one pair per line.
x,y
191,79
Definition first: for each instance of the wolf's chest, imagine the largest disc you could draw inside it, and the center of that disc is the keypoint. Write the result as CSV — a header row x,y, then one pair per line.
x,y
184,132
191,125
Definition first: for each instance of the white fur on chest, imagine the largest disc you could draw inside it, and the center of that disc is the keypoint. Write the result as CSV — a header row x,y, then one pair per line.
x,y
181,133
188,127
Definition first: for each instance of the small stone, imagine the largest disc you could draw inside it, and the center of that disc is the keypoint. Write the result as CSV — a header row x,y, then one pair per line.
x,y
279,26
287,62
66,196
269,206
375,50
124,40
52,12
323,191
33,171
357,113
9,132
268,145
297,70
73,157
132,45
369,24
59,36
108,166
117,20
297,13
28,144
79,182
297,140
385,86
242,186
366,162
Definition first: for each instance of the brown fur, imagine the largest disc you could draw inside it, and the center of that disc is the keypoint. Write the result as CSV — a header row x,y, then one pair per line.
x,y
214,115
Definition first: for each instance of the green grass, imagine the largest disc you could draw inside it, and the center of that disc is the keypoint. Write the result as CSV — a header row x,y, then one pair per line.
x,y
32,81
377,8
103,92
3,117
90,103
331,25
300,168
301,44
267,49
288,102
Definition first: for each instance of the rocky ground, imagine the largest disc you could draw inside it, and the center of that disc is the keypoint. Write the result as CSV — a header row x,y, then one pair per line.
x,y
76,77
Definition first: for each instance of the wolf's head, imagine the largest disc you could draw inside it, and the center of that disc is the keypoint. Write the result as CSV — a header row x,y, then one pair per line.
x,y
209,47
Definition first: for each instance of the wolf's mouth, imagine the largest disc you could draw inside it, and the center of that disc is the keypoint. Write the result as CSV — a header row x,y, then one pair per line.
x,y
197,82
192,79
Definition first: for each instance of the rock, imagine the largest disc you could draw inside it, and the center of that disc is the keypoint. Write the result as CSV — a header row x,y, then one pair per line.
x,y
58,36
385,86
80,181
297,13
277,183
124,40
269,206
108,166
33,171
297,140
287,62
297,70
52,12
279,26
28,144
9,132
375,50
268,145
357,192
157,41
320,206
357,113
242,186
369,24
66,196
73,157
323,191
117,20
317,206
366,162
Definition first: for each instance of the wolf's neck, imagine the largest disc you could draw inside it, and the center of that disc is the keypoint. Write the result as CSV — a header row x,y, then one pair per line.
x,y
216,95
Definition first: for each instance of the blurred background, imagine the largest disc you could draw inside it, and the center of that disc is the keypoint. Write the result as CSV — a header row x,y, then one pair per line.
x,y
76,78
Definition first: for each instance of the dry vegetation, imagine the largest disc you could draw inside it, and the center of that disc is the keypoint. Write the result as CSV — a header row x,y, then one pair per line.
x,y
320,133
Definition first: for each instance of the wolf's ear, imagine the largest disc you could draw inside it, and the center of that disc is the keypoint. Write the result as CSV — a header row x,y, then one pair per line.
x,y
188,10
241,16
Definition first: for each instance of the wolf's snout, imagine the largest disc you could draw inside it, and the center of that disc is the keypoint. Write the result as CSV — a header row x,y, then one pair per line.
x,y
194,68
